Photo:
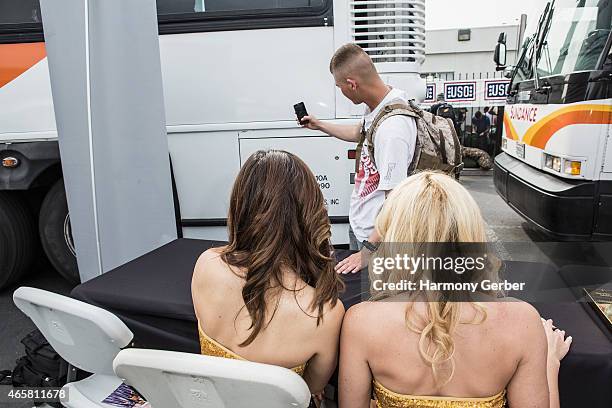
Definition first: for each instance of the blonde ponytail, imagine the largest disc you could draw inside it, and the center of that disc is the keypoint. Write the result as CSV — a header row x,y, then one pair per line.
x,y
436,345
430,207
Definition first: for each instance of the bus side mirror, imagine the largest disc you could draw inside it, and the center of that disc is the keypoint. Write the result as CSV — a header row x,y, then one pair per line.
x,y
500,52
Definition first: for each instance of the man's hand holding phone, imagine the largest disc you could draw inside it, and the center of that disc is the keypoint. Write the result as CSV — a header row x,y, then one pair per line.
x,y
311,122
304,119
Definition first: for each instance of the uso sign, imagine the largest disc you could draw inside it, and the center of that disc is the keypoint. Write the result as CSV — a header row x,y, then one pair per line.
x,y
430,93
496,90
460,91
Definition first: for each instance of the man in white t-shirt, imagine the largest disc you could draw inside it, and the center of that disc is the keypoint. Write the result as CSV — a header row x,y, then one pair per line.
x,y
394,144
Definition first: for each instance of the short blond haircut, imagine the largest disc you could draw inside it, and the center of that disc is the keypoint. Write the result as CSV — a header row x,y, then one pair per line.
x,y
351,59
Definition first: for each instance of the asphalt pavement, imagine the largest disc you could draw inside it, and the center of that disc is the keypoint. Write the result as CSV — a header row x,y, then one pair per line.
x,y
503,224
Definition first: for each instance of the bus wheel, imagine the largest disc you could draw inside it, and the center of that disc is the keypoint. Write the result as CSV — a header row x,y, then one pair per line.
x,y
17,238
56,233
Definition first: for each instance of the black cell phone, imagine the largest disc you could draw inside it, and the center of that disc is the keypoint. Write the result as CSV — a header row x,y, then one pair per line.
x,y
300,111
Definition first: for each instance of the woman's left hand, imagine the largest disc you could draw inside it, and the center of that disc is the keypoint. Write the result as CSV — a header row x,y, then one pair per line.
x,y
558,344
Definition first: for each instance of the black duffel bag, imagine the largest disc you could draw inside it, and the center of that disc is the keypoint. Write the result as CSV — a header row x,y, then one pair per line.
x,y
40,367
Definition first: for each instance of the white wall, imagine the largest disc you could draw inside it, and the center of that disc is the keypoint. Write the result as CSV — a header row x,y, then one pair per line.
x,y
445,53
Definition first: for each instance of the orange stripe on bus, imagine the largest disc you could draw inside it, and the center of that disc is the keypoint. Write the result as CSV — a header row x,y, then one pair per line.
x,y
509,128
539,134
15,59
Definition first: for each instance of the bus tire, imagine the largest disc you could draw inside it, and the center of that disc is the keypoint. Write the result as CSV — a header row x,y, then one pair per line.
x,y
56,234
17,238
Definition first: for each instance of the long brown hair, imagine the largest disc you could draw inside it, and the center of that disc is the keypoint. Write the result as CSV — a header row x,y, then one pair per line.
x,y
277,222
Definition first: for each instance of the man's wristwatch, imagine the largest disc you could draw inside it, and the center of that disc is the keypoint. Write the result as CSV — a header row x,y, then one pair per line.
x,y
369,246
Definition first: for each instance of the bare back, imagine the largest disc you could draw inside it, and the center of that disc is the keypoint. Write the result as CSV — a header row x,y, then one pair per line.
x,y
290,339
485,358
489,356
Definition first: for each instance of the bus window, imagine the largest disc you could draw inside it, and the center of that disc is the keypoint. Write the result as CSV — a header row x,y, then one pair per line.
x,y
20,21
168,7
577,37
190,16
524,66
19,12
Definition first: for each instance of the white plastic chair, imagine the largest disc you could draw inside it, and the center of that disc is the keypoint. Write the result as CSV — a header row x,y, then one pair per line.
x,y
183,380
86,336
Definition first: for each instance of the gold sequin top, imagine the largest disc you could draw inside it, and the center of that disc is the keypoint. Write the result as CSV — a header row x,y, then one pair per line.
x,y
210,347
386,398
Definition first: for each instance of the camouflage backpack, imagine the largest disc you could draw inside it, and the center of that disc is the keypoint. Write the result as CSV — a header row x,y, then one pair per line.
x,y
437,145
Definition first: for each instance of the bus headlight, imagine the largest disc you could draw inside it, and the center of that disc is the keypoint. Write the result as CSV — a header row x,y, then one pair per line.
x,y
572,167
552,162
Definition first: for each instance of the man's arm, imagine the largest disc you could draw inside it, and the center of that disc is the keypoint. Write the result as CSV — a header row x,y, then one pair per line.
x,y
348,133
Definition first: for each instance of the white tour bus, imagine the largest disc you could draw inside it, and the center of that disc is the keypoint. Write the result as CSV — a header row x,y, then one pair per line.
x,y
556,165
232,71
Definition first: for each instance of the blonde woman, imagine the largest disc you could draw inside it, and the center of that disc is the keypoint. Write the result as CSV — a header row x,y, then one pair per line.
x,y
410,352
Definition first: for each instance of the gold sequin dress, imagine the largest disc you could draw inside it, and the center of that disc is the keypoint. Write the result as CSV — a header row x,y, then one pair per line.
x,y
386,398
210,347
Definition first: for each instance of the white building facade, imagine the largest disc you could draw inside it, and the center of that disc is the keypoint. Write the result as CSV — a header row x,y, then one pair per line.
x,y
453,54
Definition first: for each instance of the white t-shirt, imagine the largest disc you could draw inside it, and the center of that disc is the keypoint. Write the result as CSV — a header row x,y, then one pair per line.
x,y
394,144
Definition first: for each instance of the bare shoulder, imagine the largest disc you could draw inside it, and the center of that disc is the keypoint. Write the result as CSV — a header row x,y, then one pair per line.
x,y
334,314
360,310
362,317
211,254
519,324
518,310
207,266
518,317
